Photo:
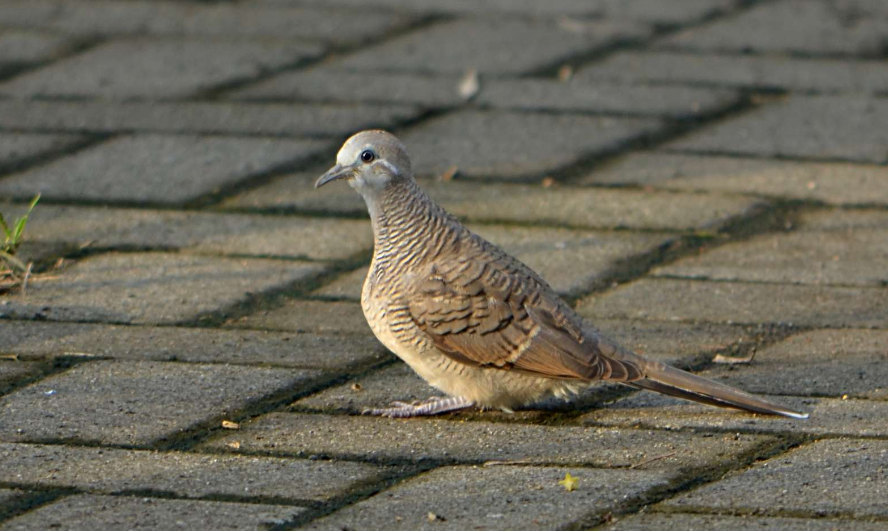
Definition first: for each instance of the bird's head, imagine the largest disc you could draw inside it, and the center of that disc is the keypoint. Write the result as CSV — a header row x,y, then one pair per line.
x,y
370,161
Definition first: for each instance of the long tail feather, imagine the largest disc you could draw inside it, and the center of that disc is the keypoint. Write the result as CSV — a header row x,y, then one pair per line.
x,y
674,382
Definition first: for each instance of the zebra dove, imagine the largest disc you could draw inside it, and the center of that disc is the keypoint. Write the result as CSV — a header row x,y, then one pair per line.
x,y
475,322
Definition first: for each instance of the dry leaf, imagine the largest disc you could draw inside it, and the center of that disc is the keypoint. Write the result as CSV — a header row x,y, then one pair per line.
x,y
565,72
356,386
229,425
569,482
469,85
548,182
435,518
234,445
730,360
450,174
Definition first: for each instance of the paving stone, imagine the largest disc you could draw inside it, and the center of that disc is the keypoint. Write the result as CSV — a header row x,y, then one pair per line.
x,y
502,144
579,95
832,183
434,91
747,71
150,288
28,46
19,148
109,471
161,169
820,363
492,45
705,522
796,26
849,258
237,234
828,416
87,512
326,84
135,402
201,117
476,442
492,498
839,477
825,127
844,220
170,19
571,261
558,205
652,11
145,68
38,340
309,316
741,302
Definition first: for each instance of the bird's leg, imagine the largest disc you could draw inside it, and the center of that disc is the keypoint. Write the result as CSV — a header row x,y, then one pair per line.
x,y
432,406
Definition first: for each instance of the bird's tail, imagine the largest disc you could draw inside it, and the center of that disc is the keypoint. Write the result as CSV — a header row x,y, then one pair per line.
x,y
675,382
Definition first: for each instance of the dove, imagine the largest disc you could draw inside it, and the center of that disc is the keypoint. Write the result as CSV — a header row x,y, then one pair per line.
x,y
475,322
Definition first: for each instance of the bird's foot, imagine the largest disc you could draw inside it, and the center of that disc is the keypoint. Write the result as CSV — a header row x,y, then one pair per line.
x,y
419,408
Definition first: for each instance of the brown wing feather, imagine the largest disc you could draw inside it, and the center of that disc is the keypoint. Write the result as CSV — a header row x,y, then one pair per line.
x,y
485,309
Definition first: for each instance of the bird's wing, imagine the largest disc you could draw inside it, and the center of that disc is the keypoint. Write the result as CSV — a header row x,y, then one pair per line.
x,y
484,308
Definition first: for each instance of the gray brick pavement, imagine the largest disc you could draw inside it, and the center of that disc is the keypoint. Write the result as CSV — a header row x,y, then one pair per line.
x,y
841,477
85,512
495,45
135,403
836,128
151,288
147,68
200,117
107,470
830,183
40,340
204,279
183,168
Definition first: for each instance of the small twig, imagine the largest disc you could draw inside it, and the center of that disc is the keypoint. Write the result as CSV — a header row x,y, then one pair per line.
x,y
506,463
651,460
27,276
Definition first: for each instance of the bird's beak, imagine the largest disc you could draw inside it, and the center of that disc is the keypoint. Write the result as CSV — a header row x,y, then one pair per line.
x,y
335,173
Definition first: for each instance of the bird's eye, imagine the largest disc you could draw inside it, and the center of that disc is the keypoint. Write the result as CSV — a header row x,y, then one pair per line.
x,y
367,156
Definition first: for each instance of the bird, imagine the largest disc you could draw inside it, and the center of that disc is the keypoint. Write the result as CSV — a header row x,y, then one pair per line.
x,y
475,322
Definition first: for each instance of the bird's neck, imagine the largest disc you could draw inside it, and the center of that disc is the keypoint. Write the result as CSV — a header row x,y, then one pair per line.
x,y
408,227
